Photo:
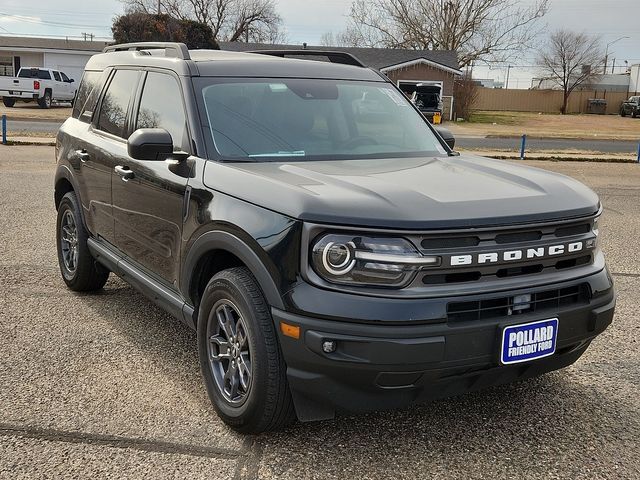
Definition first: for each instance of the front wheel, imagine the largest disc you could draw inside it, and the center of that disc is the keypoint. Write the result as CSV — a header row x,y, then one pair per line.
x,y
623,113
79,269
8,102
240,357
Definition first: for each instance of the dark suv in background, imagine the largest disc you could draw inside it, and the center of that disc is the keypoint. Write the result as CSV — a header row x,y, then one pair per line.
x,y
330,249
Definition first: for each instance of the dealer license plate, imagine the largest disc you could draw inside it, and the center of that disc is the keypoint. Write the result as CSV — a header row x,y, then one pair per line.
x,y
529,341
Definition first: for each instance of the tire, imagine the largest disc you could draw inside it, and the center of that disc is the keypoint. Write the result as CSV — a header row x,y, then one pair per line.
x,y
8,102
79,269
634,114
261,400
45,101
623,113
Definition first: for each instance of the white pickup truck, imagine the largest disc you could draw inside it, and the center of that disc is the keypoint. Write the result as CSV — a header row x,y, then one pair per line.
x,y
43,85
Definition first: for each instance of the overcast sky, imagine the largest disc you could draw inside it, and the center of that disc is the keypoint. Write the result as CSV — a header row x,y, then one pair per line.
x,y
307,20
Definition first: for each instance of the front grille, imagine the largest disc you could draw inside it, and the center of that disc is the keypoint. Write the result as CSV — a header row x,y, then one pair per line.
x,y
503,271
547,300
474,242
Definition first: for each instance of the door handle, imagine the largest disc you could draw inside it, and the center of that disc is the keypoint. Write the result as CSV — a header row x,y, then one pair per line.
x,y
83,155
125,172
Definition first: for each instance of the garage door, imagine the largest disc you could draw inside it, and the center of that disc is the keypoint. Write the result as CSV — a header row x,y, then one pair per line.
x,y
72,65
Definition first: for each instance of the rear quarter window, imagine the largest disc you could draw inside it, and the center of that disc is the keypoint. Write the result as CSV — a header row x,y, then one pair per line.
x,y
87,95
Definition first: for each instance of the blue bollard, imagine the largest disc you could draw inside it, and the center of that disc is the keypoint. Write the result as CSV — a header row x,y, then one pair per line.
x,y
4,129
523,146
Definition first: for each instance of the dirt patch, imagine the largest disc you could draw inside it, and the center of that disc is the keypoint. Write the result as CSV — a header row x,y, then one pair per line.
x,y
31,111
582,127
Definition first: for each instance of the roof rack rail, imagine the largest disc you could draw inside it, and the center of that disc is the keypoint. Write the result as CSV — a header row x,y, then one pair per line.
x,y
179,50
333,56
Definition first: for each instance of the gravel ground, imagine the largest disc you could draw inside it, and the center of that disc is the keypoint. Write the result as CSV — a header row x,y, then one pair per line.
x,y
107,385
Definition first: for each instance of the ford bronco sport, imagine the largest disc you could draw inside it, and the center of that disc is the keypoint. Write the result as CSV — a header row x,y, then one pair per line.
x,y
331,251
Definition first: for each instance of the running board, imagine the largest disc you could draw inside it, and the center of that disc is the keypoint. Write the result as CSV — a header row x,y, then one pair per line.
x,y
163,297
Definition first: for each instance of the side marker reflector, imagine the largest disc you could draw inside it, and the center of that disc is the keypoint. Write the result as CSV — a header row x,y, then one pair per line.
x,y
292,331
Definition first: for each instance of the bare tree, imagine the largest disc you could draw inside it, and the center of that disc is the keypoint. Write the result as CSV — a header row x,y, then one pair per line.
x,y
465,93
488,30
230,20
569,59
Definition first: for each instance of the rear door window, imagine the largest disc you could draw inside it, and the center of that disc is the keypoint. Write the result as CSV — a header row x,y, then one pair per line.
x,y
56,75
115,103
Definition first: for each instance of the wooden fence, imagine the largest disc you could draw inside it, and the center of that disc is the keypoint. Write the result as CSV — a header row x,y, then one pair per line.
x,y
544,101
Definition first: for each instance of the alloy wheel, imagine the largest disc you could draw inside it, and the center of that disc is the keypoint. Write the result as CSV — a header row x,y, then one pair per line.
x,y
69,242
229,352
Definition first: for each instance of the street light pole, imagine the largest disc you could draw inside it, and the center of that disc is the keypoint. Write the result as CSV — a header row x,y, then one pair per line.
x,y
606,54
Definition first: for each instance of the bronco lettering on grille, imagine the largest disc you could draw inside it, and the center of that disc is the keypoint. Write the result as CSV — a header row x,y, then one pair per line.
x,y
506,256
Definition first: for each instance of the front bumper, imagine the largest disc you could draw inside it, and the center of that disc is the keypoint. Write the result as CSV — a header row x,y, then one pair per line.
x,y
392,365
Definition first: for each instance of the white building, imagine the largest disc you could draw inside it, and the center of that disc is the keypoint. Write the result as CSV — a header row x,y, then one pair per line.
x,y
634,80
69,56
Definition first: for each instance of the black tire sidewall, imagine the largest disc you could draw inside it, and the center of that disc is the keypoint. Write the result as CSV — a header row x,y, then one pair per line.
x,y
88,274
66,204
250,411
45,101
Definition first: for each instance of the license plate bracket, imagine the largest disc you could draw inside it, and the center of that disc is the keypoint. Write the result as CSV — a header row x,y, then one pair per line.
x,y
528,341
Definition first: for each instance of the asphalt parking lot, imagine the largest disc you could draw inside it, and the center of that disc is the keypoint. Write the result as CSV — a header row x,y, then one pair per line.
x,y
108,386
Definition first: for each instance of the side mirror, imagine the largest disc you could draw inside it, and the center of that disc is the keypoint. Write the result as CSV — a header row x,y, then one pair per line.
x,y
150,144
446,135
71,80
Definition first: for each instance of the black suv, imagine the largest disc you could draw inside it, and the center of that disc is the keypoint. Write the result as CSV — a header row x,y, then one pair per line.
x,y
630,107
330,249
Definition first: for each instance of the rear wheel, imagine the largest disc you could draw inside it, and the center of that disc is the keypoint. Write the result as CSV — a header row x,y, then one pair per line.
x,y
240,357
45,101
79,269
635,114
623,113
8,102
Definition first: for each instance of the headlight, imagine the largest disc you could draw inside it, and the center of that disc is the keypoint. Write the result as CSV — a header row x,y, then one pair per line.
x,y
371,261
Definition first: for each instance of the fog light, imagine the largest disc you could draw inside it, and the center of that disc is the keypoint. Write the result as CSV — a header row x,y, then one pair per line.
x,y
329,346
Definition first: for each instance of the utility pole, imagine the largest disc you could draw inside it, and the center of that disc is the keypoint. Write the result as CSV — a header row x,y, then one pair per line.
x,y
159,7
506,83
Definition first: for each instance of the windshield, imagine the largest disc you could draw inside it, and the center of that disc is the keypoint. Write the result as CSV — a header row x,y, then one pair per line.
x,y
307,119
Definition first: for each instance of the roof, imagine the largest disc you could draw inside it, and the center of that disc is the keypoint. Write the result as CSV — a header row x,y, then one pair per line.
x,y
37,43
217,63
379,58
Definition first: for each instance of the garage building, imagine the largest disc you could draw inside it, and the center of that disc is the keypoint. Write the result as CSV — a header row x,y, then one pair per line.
x,y
68,56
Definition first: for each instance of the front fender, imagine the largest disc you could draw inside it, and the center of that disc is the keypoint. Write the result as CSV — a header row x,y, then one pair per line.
x,y
222,240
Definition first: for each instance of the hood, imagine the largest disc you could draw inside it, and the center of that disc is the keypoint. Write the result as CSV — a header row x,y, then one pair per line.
x,y
406,193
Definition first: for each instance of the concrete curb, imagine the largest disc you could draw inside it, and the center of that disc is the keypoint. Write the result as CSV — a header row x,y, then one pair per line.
x,y
556,158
